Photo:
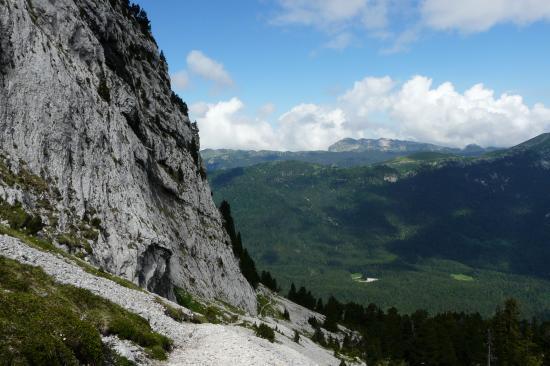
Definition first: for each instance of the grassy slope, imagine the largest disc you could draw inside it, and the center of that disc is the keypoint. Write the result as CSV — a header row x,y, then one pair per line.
x,y
316,226
45,323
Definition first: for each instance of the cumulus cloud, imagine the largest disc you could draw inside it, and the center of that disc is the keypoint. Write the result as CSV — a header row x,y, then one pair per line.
x,y
203,66
381,107
476,16
222,125
443,115
311,127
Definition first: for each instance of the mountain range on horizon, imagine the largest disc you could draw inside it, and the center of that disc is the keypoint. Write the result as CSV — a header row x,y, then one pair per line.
x,y
347,152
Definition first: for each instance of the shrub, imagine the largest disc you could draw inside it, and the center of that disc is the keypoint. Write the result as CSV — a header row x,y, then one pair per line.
x,y
265,331
319,337
96,222
174,313
186,300
19,219
211,314
296,336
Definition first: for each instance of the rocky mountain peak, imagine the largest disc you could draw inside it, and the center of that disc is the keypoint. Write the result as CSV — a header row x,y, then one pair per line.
x,y
86,105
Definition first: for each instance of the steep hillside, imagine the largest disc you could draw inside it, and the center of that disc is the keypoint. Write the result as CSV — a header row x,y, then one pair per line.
x,y
111,157
436,231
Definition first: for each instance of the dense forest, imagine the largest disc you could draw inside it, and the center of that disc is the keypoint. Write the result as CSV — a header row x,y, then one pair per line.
x,y
451,339
437,233
390,338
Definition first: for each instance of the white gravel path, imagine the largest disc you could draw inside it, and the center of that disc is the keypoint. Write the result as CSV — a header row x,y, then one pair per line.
x,y
195,344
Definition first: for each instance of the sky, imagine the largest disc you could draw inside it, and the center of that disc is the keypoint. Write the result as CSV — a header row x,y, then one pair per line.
x,y
303,74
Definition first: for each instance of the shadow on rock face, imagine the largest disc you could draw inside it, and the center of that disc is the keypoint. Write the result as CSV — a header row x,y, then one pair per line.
x,y
154,271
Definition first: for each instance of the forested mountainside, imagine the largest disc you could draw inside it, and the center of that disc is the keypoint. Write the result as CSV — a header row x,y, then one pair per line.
x,y
431,231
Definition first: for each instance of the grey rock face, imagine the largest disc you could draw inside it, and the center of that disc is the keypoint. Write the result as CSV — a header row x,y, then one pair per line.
x,y
85,101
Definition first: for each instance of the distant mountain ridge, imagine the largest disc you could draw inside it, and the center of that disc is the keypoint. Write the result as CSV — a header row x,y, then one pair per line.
x,y
344,153
401,146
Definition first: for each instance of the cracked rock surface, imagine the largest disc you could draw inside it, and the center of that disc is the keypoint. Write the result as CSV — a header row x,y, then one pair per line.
x,y
85,101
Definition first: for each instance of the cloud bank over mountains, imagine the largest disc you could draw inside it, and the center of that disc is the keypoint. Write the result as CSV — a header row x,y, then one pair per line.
x,y
379,107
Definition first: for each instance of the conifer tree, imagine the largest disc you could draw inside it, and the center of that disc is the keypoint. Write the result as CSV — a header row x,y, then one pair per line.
x,y
292,293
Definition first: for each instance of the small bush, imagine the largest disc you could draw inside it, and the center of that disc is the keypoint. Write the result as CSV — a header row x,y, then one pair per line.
x,y
296,338
265,331
96,222
157,353
19,219
174,313
313,322
319,337
186,300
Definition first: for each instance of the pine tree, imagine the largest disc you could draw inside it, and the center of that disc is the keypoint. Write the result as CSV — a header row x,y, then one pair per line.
x,y
248,268
512,346
286,314
319,307
269,281
292,293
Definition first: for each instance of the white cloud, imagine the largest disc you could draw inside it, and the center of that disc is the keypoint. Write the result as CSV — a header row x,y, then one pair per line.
x,y
339,19
203,66
443,115
476,16
222,125
312,127
381,107
399,23
319,13
180,79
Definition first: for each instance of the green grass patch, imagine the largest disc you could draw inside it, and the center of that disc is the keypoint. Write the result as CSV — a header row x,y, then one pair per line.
x,y
45,323
266,307
187,300
462,277
175,313
265,331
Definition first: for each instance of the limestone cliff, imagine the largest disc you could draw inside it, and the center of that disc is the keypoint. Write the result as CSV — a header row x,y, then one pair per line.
x,y
86,105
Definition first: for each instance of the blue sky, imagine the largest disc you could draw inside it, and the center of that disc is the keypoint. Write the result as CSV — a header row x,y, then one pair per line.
x,y
282,69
